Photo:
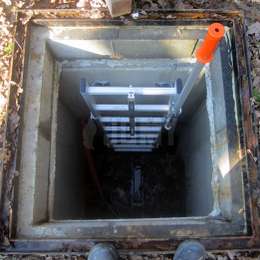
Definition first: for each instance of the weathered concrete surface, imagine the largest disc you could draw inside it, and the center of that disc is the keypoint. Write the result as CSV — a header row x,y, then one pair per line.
x,y
119,7
227,179
33,182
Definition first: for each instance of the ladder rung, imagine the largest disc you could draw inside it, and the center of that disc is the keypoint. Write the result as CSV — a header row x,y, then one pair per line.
x,y
133,150
150,120
137,135
117,90
126,146
132,141
138,108
137,128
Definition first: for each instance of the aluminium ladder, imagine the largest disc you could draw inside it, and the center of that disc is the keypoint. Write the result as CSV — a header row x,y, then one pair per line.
x,y
135,125
138,129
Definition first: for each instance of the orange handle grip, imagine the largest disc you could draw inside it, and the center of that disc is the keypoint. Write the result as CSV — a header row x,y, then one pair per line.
x,y
205,52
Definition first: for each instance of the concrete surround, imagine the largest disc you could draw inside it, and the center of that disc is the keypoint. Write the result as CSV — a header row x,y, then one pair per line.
x,y
214,159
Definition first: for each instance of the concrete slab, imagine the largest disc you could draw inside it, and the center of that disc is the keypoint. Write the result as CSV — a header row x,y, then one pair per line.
x,y
119,7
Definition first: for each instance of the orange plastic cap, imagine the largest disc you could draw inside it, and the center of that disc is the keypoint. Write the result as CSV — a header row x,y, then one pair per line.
x,y
205,52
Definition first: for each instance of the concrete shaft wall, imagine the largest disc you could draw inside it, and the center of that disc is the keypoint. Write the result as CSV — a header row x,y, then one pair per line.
x,y
135,72
195,149
69,184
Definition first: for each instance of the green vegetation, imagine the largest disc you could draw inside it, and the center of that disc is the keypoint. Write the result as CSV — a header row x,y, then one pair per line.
x,y
256,94
8,49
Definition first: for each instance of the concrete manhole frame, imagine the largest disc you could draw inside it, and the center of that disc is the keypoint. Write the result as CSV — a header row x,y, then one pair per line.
x,y
235,21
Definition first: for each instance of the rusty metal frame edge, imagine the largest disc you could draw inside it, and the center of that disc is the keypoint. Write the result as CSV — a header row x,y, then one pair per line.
x,y
235,19
11,138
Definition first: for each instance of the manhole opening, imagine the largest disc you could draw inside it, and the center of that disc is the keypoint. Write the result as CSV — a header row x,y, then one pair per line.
x,y
90,166
94,180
